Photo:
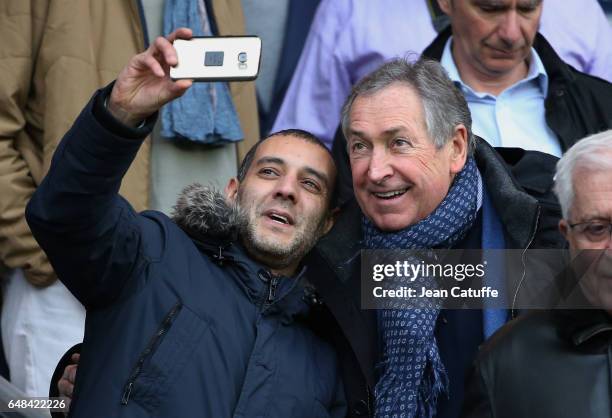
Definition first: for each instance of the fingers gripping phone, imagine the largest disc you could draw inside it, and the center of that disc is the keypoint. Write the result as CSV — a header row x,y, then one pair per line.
x,y
217,58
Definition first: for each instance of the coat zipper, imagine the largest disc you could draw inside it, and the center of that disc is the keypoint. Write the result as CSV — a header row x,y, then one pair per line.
x,y
163,329
272,289
518,287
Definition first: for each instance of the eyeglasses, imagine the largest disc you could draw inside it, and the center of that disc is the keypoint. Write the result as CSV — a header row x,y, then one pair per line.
x,y
594,231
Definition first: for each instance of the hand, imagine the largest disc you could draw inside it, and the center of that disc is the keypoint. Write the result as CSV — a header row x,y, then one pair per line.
x,y
66,383
144,85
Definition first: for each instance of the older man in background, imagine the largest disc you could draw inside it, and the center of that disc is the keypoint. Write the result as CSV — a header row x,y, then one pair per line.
x,y
520,92
556,363
346,42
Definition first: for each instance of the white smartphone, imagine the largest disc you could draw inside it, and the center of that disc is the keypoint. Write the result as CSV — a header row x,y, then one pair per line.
x,y
217,58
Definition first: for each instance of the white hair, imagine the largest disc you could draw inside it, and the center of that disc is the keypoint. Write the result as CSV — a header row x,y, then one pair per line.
x,y
593,153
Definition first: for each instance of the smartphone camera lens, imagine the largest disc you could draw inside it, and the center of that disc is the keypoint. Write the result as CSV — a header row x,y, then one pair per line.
x,y
242,59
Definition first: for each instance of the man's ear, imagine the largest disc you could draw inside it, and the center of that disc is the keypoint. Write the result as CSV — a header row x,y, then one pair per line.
x,y
445,6
231,190
564,228
332,216
459,149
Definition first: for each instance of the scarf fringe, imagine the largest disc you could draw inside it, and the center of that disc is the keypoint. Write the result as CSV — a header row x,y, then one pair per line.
x,y
434,382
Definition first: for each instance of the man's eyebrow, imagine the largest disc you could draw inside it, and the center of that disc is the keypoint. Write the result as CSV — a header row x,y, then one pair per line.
x,y
270,160
502,4
356,132
387,132
499,4
495,3
529,4
279,161
316,173
393,130
595,217
534,3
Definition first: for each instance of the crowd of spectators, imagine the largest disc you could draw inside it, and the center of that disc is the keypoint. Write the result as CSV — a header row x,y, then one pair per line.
x,y
534,76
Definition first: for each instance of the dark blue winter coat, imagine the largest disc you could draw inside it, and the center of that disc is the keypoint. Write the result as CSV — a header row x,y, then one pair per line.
x,y
171,330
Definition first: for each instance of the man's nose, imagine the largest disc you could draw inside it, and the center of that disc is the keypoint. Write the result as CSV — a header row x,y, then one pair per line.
x,y
510,28
286,189
379,168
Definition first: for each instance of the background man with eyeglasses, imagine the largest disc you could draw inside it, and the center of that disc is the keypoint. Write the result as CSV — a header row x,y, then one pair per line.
x,y
557,362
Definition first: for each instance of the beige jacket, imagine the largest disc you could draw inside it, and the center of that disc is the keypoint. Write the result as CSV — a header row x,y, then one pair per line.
x,y
53,55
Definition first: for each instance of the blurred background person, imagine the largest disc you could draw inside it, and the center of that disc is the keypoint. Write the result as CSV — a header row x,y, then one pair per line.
x,y
51,57
350,38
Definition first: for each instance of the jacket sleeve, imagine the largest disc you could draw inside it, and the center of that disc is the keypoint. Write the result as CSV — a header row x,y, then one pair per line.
x,y
91,235
21,26
477,400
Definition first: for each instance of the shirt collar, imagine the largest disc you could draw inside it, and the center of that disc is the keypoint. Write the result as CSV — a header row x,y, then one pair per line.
x,y
536,71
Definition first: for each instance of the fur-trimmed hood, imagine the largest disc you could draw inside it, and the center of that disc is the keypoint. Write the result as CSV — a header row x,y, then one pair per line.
x,y
203,211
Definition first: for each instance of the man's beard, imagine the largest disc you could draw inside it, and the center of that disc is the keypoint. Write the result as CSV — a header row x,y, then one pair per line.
x,y
271,252
203,212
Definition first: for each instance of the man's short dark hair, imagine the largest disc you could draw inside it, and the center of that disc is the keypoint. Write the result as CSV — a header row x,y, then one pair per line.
x,y
296,133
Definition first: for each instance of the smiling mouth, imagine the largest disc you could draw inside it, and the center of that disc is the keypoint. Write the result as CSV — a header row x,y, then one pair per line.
x,y
280,218
394,194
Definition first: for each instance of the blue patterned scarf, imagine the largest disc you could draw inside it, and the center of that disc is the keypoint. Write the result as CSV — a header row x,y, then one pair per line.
x,y
413,374
205,113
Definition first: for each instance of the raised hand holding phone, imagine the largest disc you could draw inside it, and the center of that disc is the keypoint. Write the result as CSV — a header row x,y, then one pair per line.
x,y
170,65
144,85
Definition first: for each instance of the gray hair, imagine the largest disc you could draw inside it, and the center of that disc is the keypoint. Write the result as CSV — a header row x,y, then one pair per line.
x,y
592,153
444,106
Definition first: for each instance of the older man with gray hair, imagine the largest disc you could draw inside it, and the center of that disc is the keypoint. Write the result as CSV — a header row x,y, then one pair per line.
x,y
421,180
556,363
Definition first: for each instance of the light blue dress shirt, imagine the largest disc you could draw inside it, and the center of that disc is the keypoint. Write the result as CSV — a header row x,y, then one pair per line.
x,y
516,117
